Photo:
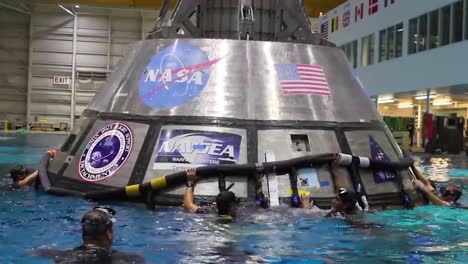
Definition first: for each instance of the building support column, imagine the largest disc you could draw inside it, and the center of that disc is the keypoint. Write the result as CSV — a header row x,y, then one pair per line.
x,y
30,70
420,129
73,82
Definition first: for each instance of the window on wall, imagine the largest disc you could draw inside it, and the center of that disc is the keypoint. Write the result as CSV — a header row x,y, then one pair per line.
x,y
466,19
422,34
391,43
399,40
354,53
445,26
457,21
434,29
412,36
367,50
350,49
383,45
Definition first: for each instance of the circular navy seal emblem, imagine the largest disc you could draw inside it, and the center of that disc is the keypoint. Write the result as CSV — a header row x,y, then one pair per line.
x,y
106,152
174,76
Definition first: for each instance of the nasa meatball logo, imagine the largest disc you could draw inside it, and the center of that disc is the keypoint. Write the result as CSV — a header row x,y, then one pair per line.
x,y
174,76
106,152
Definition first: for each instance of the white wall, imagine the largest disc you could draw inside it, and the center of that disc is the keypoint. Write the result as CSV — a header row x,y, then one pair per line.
x,y
14,50
101,39
440,67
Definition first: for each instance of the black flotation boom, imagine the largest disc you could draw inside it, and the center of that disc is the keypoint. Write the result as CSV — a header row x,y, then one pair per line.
x,y
248,170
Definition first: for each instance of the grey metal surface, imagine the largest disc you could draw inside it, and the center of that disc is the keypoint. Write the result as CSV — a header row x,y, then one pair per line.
x,y
244,84
279,143
210,186
65,157
266,20
359,143
121,177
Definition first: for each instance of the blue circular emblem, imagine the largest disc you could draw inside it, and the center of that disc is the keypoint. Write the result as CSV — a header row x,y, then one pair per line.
x,y
106,152
174,76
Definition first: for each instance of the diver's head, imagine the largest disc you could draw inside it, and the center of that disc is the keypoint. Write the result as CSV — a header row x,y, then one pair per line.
x,y
227,203
344,201
450,193
18,173
97,226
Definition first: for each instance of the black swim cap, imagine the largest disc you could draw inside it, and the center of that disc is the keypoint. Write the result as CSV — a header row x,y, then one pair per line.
x,y
96,222
17,170
226,197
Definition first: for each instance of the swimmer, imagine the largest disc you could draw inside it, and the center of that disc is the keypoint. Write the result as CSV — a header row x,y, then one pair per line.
x,y
98,235
24,177
226,201
345,201
445,196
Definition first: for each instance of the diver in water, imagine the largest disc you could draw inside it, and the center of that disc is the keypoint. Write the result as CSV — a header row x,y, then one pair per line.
x,y
98,235
445,196
344,203
226,200
22,176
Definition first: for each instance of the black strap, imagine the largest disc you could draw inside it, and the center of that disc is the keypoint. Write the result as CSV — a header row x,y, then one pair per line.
x,y
406,198
295,200
221,182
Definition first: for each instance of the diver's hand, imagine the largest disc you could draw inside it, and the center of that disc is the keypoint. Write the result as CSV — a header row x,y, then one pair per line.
x,y
191,176
420,185
306,203
337,162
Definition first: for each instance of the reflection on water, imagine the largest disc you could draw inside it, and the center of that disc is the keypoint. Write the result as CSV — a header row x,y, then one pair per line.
x,y
30,220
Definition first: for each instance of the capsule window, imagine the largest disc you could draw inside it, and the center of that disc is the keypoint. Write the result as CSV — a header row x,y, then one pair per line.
x,y
68,143
300,143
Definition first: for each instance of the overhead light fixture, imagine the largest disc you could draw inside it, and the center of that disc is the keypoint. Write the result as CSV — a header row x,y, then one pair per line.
x,y
400,30
442,103
77,6
385,101
424,97
406,106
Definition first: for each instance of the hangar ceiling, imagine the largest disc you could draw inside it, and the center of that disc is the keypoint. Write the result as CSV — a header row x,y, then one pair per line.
x,y
314,7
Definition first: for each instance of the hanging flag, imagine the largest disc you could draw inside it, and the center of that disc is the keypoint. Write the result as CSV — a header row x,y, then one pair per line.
x,y
335,22
377,153
324,30
373,7
302,79
358,12
346,18
389,2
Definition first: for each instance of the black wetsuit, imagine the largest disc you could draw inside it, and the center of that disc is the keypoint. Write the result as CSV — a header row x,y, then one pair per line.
x,y
91,254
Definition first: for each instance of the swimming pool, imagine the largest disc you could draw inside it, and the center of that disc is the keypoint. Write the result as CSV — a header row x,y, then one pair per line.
x,y
30,220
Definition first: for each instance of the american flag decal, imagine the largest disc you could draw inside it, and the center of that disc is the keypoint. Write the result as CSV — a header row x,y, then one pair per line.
x,y
324,30
302,79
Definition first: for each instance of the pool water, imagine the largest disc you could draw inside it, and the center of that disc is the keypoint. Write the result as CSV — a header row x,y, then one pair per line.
x,y
32,220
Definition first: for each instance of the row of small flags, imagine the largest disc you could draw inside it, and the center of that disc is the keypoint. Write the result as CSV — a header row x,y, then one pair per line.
x,y
358,15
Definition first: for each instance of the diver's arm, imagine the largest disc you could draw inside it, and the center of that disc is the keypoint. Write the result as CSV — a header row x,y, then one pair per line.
x,y
31,177
422,178
338,180
432,197
188,195
188,200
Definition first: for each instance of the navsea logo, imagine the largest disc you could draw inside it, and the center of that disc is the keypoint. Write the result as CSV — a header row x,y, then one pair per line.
x,y
175,76
106,152
186,148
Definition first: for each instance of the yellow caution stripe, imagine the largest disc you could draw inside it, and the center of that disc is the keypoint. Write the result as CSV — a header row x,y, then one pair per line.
x,y
133,190
158,183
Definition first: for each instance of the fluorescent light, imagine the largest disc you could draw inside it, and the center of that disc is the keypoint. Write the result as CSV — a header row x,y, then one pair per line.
x,y
405,106
443,103
385,101
400,30
423,97
77,6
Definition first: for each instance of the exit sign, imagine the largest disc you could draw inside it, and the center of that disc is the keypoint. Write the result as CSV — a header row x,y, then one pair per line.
x,y
61,80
